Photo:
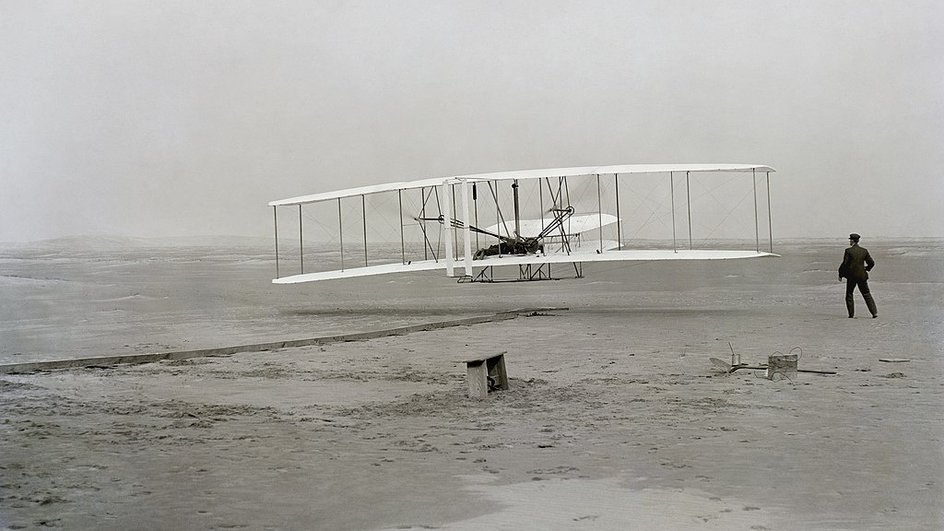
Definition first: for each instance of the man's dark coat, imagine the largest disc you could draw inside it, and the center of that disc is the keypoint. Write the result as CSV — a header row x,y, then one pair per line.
x,y
856,263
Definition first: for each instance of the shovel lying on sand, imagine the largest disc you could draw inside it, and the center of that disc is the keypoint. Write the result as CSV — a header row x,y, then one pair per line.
x,y
729,368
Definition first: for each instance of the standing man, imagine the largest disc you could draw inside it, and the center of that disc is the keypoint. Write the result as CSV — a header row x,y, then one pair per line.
x,y
856,264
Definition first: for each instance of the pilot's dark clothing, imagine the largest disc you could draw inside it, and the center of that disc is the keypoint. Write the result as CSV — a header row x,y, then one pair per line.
x,y
856,264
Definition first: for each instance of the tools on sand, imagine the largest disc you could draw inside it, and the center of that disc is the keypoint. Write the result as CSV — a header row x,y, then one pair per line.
x,y
784,365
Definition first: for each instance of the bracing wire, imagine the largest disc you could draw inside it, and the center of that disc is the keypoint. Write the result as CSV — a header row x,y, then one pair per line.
x,y
726,216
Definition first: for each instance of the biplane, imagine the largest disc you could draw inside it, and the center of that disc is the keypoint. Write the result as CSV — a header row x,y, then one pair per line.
x,y
529,221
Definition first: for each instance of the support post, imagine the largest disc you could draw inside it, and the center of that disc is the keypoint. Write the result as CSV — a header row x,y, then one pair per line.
x,y
498,219
688,192
475,207
423,215
402,246
600,212
514,189
672,193
756,225
619,221
447,230
455,230
301,241
364,214
466,231
341,233
770,226
275,214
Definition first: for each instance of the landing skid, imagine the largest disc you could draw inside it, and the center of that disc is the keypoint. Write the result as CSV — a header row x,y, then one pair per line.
x,y
526,273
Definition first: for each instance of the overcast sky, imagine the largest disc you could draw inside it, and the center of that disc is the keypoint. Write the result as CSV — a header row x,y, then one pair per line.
x,y
167,118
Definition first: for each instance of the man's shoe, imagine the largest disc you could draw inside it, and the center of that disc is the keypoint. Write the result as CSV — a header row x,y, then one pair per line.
x,y
874,316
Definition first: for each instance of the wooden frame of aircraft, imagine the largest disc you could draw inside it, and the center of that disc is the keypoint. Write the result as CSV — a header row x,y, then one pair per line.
x,y
561,229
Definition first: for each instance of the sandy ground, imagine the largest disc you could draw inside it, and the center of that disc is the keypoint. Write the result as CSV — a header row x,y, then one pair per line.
x,y
615,418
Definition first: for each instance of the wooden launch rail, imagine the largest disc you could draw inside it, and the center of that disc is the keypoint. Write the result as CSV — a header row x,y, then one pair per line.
x,y
101,361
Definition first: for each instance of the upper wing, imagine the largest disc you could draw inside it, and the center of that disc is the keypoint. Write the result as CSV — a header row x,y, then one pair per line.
x,y
623,169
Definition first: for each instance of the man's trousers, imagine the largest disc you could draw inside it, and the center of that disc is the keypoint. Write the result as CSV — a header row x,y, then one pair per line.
x,y
866,294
